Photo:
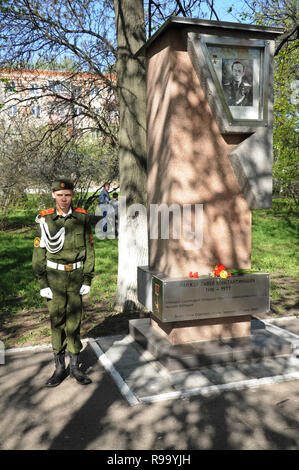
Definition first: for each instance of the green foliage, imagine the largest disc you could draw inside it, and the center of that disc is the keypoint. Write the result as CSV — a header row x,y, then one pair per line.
x,y
281,13
286,126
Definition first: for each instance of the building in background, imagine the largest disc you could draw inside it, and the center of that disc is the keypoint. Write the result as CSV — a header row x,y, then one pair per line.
x,y
82,102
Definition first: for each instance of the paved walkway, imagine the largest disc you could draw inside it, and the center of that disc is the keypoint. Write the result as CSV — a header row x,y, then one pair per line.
x,y
99,416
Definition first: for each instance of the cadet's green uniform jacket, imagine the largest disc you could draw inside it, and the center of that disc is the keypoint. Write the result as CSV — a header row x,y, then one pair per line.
x,y
78,245
66,306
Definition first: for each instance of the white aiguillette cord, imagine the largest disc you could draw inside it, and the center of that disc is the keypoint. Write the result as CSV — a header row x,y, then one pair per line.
x,y
46,240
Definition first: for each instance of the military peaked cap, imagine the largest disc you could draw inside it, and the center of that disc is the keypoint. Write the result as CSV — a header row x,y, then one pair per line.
x,y
62,183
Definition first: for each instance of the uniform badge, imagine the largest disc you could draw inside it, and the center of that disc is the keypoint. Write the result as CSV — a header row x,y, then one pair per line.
x,y
62,185
36,242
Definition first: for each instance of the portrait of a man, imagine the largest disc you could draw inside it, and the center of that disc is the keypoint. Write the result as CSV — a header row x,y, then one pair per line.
x,y
237,82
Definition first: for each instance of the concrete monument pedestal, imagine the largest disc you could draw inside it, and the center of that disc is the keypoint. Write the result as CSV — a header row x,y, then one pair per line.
x,y
203,330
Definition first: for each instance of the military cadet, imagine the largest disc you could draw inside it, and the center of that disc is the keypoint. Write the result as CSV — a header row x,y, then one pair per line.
x,y
63,262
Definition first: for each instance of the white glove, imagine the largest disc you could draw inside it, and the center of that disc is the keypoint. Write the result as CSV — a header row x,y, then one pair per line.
x,y
84,290
47,293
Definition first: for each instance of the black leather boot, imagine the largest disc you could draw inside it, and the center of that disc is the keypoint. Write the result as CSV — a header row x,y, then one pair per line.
x,y
75,372
60,371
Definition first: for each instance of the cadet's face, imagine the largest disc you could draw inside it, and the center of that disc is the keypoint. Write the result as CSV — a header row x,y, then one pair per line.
x,y
64,199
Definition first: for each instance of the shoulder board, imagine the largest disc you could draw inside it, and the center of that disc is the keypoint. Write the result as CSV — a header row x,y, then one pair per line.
x,y
78,209
46,212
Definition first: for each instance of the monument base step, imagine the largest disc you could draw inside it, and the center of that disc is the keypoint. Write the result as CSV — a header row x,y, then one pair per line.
x,y
191,331
261,344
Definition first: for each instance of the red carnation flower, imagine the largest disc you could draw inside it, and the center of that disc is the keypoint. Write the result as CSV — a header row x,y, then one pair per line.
x,y
221,267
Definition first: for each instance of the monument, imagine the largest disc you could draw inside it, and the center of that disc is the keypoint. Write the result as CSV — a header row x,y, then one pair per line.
x,y
209,163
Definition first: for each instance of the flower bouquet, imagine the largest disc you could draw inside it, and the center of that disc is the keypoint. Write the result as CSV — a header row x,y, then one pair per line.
x,y
221,271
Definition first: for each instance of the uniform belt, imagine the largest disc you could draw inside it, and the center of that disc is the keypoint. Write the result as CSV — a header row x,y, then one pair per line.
x,y
64,267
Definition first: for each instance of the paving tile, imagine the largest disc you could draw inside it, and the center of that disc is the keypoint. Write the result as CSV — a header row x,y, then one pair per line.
x,y
120,352
190,380
144,386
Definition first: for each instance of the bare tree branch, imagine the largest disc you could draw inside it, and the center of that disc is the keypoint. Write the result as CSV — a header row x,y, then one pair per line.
x,y
286,38
211,5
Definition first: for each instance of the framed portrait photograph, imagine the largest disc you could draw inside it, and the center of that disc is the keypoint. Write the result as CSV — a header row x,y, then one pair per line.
x,y
239,70
237,81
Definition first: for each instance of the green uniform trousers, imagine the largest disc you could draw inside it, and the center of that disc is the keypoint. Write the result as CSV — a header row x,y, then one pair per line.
x,y
65,309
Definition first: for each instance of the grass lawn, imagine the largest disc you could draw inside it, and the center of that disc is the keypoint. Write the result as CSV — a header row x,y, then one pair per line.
x,y
23,313
275,248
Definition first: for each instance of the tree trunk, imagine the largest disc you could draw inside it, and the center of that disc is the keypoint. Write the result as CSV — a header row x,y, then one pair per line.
x,y
133,245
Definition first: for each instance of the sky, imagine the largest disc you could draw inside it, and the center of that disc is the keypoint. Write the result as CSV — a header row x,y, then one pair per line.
x,y
221,7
